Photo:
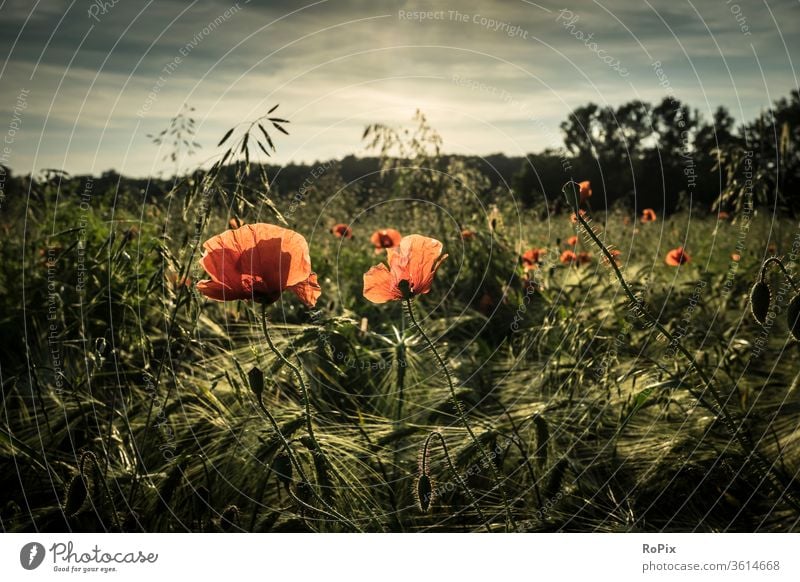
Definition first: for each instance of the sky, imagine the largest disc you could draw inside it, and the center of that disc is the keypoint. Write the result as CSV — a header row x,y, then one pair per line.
x,y
85,81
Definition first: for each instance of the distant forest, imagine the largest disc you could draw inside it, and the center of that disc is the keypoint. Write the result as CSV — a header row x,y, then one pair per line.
x,y
638,155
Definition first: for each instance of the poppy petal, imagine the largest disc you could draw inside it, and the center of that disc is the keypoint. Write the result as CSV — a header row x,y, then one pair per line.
x,y
380,286
308,291
279,256
220,292
416,260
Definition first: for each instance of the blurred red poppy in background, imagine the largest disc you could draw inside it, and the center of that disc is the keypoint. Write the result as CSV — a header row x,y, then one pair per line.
x,y
568,257
385,239
235,223
532,258
677,257
572,241
259,262
467,234
574,219
342,231
648,215
585,190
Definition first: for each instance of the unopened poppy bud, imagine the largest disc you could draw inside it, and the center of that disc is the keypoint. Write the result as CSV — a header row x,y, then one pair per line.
x,y
424,492
76,496
760,298
793,316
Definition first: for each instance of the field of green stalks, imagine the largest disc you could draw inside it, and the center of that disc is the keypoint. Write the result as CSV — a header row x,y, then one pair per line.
x,y
131,402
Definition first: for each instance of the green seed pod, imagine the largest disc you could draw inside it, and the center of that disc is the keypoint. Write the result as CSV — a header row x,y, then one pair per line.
x,y
793,316
424,492
76,495
760,298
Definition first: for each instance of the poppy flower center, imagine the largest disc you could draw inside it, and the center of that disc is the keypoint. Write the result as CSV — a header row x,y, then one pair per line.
x,y
405,288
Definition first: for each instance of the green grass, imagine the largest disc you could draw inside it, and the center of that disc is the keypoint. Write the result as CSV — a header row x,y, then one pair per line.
x,y
592,422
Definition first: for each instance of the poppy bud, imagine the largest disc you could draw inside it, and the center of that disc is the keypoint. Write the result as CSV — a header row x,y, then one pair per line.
x,y
793,316
424,492
760,298
229,519
76,496
256,378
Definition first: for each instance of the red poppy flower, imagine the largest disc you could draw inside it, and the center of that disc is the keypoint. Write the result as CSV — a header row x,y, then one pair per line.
x,y
467,234
677,257
583,258
574,219
723,215
259,262
342,231
235,223
413,262
648,215
386,238
572,241
614,254
585,190
532,257
568,257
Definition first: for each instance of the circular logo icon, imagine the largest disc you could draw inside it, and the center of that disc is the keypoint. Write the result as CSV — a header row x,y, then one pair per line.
x,y
31,555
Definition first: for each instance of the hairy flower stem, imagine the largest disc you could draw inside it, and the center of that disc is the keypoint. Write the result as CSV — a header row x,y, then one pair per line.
x,y
299,375
307,405
461,415
718,408
461,481
780,264
293,459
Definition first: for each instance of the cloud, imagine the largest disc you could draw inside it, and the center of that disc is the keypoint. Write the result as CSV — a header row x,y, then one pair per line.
x,y
337,65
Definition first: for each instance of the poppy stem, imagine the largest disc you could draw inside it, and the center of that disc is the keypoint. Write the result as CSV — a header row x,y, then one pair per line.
x,y
290,453
460,410
304,390
458,476
735,427
298,374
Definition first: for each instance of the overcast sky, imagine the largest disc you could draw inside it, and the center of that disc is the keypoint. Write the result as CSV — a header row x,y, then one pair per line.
x,y
497,76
